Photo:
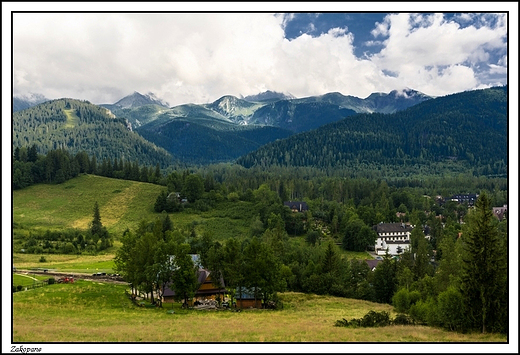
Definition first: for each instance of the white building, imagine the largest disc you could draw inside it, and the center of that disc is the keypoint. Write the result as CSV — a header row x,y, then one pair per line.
x,y
392,236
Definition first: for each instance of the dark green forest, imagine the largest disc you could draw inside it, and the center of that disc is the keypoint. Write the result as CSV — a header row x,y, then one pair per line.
x,y
80,126
460,132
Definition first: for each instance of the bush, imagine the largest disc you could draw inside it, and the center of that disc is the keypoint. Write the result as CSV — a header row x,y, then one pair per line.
x,y
51,281
14,289
19,288
401,300
233,197
451,309
376,319
371,319
402,319
42,259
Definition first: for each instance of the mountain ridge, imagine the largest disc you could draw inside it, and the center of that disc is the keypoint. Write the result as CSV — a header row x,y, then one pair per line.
x,y
444,129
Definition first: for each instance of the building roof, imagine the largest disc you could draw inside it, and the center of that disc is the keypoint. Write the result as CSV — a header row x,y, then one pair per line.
x,y
372,263
300,206
202,276
500,211
392,227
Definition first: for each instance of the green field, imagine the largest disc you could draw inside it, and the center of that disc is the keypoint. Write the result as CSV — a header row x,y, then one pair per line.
x,y
101,312
122,203
66,263
27,280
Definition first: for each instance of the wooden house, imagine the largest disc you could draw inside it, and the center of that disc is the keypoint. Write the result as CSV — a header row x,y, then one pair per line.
x,y
245,298
205,291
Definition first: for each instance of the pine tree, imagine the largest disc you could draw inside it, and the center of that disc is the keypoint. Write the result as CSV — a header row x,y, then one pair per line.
x,y
95,226
484,271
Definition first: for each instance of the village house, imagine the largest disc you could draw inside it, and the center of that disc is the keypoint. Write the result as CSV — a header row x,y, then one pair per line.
x,y
372,263
500,212
297,206
245,298
206,290
394,237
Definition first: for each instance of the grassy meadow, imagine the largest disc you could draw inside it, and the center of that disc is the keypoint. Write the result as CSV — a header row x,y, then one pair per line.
x,y
123,204
89,311
66,263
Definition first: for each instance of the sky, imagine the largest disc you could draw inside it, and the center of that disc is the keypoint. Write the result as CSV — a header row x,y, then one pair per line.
x,y
200,57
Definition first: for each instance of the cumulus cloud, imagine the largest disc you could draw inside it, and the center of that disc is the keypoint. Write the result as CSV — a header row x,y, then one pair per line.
x,y
199,57
435,55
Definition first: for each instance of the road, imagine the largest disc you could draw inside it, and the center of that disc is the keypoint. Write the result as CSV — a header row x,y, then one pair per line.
x,y
76,276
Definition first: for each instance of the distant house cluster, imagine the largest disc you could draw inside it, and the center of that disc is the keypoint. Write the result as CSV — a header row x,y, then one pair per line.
x,y
470,199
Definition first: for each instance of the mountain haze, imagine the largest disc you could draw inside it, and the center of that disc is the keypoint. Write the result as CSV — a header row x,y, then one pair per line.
x,y
26,101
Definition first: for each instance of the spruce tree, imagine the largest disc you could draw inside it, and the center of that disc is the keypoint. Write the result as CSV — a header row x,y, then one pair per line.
x,y
484,271
95,226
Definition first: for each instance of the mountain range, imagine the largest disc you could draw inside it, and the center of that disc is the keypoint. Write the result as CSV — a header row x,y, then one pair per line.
x,y
276,129
467,130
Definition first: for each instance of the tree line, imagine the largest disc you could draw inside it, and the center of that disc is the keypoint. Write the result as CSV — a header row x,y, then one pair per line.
x,y
59,165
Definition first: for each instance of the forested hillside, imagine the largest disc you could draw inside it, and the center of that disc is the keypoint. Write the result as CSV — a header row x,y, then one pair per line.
x,y
466,130
206,140
80,126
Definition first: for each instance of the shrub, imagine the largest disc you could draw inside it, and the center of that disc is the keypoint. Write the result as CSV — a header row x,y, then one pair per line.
x,y
403,319
42,259
233,197
401,300
451,309
14,289
376,319
51,281
371,319
19,288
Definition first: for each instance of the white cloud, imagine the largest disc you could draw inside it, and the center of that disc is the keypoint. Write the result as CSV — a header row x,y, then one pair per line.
x,y
199,57
419,54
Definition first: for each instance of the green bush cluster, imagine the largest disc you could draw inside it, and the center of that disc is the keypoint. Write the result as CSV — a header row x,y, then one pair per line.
x,y
375,319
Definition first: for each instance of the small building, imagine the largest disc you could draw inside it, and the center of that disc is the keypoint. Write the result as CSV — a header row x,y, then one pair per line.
x,y
372,263
205,291
500,212
470,199
245,298
394,237
297,206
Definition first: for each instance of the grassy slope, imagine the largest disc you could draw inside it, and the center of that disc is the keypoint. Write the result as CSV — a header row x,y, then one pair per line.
x,y
70,205
95,312
123,204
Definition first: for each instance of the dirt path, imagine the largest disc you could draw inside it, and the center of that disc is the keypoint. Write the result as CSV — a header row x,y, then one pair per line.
x,y
77,276
27,276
